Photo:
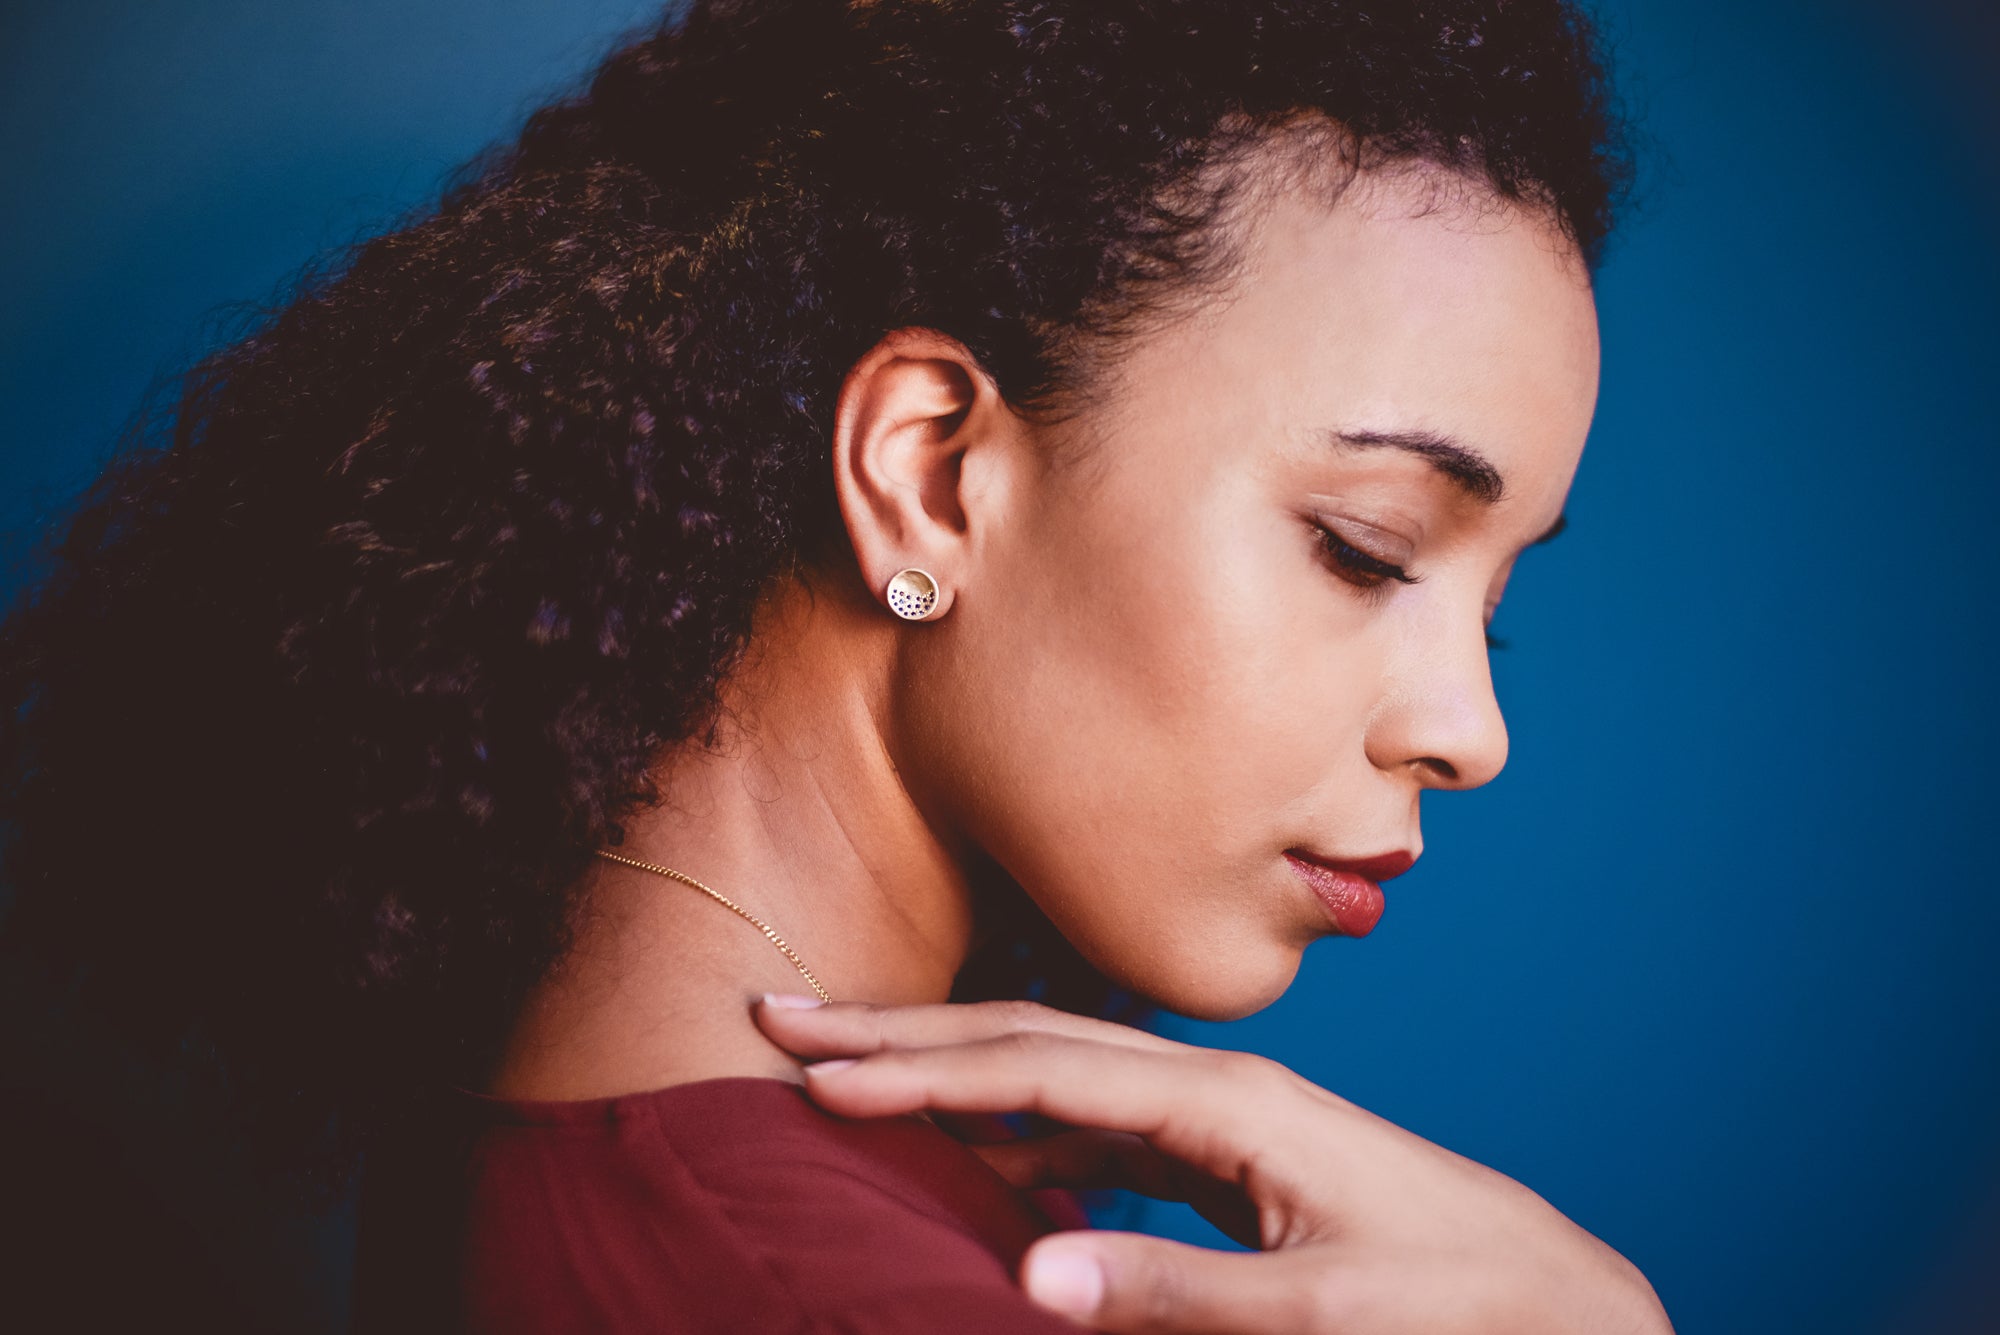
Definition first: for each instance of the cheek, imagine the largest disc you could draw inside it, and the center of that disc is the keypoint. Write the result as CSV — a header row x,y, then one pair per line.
x,y
1136,718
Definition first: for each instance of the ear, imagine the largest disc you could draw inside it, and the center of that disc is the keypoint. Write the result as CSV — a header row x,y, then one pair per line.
x,y
912,416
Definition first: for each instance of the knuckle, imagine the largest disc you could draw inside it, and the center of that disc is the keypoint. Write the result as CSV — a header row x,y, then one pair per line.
x,y
1520,1200
1026,1044
1221,1063
1018,1013
1255,1066
873,1022
1256,1070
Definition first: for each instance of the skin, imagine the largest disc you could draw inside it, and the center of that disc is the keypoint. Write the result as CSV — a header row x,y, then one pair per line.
x,y
1147,679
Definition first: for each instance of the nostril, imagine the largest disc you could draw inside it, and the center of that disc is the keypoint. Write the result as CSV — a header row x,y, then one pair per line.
x,y
1444,768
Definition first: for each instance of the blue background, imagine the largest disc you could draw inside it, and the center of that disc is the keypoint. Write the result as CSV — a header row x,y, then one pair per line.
x,y
1708,965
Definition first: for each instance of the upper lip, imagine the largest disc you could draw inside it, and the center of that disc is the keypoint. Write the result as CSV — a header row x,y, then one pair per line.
x,y
1380,867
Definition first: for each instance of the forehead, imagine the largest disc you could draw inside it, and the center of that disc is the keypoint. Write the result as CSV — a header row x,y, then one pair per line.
x,y
1414,300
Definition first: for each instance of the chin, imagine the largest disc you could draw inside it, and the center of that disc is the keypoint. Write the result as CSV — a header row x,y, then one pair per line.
x,y
1221,989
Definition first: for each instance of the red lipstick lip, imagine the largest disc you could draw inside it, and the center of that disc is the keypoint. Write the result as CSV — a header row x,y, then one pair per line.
x,y
1347,889
1381,867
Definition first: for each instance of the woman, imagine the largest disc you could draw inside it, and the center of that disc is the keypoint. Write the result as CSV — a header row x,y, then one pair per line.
x,y
900,503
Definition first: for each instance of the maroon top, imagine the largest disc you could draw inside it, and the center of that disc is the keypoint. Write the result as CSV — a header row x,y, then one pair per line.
x,y
733,1204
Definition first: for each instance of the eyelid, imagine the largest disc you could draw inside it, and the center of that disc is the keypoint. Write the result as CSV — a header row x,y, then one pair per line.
x,y
1385,547
1358,566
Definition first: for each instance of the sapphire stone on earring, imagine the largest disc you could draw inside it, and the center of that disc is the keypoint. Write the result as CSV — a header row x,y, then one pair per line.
x,y
913,594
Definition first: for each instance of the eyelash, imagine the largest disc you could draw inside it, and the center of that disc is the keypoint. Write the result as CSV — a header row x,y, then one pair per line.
x,y
1371,572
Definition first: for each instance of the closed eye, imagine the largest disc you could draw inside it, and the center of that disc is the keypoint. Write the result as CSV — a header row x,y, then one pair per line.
x,y
1371,573
1362,568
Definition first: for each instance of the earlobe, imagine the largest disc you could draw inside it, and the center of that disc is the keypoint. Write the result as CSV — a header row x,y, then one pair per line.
x,y
908,412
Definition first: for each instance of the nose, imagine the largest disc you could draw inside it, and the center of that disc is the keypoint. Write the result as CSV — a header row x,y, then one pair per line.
x,y
1439,717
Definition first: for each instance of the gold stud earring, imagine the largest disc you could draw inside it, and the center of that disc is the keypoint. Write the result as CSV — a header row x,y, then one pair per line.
x,y
913,594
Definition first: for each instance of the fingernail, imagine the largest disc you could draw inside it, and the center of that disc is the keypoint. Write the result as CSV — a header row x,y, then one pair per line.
x,y
1068,1280
821,1068
791,1001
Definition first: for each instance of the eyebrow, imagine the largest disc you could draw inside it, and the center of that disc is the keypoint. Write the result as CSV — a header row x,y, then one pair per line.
x,y
1466,468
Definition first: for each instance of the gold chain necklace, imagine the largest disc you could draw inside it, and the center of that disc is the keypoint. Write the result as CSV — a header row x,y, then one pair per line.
x,y
729,904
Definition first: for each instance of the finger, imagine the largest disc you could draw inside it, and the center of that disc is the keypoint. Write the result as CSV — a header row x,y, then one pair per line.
x,y
1088,1159
1205,1107
845,1028
1137,1285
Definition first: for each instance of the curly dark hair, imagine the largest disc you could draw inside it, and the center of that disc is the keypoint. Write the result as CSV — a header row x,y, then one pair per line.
x,y
340,669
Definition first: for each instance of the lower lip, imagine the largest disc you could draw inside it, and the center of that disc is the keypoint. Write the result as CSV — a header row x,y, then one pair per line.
x,y
1353,902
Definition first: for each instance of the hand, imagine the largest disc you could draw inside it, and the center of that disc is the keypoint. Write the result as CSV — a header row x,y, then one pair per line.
x,y
1364,1228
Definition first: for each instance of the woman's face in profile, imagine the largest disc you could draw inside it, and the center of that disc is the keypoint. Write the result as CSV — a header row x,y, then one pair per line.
x,y
1161,674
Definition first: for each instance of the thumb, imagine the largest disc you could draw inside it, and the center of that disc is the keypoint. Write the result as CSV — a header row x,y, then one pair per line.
x,y
1138,1285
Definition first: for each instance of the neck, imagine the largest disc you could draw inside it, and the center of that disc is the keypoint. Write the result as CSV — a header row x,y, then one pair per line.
x,y
797,813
